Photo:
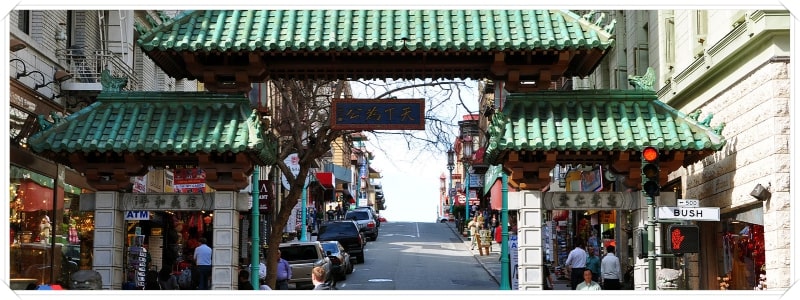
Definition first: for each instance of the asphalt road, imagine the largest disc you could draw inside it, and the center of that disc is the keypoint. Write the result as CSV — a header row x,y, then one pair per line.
x,y
418,256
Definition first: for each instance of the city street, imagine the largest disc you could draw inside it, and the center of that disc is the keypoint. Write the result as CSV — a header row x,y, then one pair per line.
x,y
418,256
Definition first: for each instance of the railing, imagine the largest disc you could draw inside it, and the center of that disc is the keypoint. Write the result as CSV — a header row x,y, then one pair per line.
x,y
86,65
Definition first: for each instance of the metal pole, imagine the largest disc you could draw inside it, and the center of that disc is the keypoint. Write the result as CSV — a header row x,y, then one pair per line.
x,y
449,194
505,269
466,191
57,180
651,243
255,219
303,218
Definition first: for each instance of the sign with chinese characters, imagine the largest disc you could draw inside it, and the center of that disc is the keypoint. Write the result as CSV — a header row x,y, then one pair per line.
x,y
589,200
378,114
167,201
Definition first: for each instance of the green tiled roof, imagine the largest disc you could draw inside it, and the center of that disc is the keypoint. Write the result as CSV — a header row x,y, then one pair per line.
x,y
595,120
193,122
376,30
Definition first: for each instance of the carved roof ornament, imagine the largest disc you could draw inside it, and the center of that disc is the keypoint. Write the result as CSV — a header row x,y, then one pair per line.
x,y
44,124
111,83
643,82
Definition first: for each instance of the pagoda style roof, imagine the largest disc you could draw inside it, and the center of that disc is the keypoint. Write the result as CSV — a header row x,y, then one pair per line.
x,y
378,44
537,130
140,129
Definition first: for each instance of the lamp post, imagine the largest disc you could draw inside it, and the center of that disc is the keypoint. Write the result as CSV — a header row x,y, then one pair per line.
x,y
505,270
451,164
255,217
466,151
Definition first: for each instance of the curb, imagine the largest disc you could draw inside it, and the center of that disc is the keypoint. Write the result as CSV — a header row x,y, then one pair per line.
x,y
460,237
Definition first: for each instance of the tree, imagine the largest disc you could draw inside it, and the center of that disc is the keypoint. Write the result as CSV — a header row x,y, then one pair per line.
x,y
301,119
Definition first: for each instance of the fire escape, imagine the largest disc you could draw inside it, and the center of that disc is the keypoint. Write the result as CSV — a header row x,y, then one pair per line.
x,y
86,64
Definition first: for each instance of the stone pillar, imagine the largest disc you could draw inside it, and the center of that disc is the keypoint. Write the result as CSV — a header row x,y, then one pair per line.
x,y
109,239
530,246
225,246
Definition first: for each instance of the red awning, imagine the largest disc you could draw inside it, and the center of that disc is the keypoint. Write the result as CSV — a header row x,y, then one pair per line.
x,y
326,179
36,197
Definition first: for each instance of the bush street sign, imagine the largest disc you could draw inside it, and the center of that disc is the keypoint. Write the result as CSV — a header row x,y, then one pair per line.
x,y
688,213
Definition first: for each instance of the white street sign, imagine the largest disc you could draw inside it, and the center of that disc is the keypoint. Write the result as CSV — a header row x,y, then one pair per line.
x,y
688,203
688,213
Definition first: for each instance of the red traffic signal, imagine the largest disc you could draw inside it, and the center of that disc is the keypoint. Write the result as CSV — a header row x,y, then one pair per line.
x,y
684,239
649,154
650,170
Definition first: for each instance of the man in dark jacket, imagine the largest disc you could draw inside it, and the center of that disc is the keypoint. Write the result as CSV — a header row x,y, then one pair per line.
x,y
318,279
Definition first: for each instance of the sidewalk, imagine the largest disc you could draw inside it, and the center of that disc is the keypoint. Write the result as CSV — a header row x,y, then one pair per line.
x,y
491,262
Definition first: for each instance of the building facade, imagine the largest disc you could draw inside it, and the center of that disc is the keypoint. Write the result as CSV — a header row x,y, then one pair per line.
x,y
728,68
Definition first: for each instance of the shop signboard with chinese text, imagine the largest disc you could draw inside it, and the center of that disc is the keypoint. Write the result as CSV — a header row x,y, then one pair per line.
x,y
167,201
589,200
378,114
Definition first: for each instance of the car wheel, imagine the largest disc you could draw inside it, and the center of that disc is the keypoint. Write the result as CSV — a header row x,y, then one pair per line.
x,y
360,258
375,237
349,269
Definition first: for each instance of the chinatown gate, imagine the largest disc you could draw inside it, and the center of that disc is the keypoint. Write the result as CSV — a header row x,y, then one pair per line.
x,y
524,52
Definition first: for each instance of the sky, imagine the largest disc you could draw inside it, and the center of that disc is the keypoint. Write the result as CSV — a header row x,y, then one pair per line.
x,y
410,176
410,183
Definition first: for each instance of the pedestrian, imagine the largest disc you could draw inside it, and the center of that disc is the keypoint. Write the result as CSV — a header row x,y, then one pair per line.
x,y
588,284
547,283
472,227
284,273
202,258
593,264
244,280
610,270
318,279
576,263
494,223
262,270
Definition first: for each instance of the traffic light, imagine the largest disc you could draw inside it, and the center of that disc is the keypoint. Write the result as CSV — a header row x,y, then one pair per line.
x,y
650,171
684,239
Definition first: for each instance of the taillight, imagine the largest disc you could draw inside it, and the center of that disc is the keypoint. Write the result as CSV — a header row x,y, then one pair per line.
x,y
371,224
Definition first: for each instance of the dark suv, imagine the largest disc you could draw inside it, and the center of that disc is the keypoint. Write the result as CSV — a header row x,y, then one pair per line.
x,y
346,233
367,222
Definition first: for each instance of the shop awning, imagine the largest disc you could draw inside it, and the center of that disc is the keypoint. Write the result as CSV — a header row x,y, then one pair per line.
x,y
325,179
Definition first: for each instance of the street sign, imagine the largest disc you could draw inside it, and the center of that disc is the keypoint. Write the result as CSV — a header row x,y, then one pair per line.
x,y
688,213
688,203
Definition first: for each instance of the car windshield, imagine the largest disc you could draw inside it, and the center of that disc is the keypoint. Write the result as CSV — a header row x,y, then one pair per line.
x,y
336,228
330,247
357,215
304,252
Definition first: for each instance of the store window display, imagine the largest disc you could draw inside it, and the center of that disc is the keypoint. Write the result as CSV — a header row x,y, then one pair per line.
x,y
743,256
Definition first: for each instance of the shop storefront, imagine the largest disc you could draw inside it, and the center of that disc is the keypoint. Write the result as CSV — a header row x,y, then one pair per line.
x,y
50,236
742,253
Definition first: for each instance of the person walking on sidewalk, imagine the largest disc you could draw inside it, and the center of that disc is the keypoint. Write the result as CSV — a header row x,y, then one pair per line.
x,y
202,257
593,264
576,263
588,284
284,271
610,270
472,227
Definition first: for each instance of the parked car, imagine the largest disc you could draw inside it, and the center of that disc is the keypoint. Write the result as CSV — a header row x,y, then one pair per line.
x,y
366,222
340,259
303,257
443,219
375,215
345,232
